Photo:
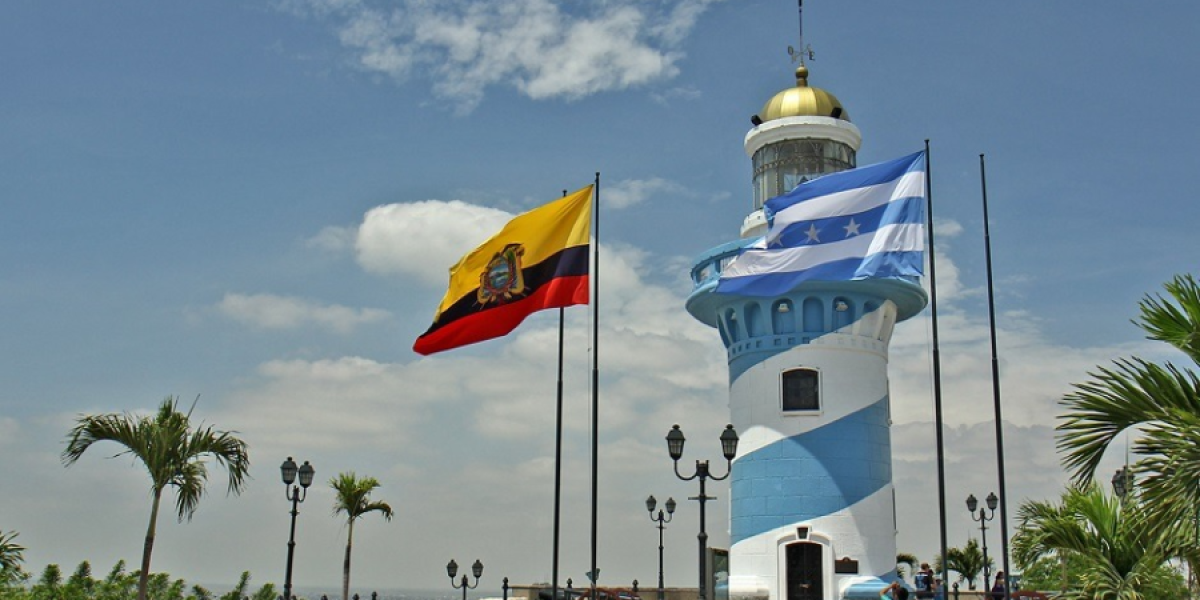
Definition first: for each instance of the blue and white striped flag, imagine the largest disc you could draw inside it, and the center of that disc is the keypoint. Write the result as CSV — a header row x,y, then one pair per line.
x,y
863,223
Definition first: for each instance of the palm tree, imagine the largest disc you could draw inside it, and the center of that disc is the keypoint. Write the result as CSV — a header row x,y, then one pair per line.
x,y
1160,404
12,555
905,558
1120,557
353,499
172,452
966,561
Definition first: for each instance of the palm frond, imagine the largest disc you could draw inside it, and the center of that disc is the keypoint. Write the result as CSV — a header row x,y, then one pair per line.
x,y
1133,393
1175,323
227,450
189,484
381,507
352,496
12,554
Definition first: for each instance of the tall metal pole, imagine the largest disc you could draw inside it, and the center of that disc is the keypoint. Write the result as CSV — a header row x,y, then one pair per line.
x,y
985,515
558,441
595,277
987,243
662,593
983,538
937,369
702,471
294,494
661,520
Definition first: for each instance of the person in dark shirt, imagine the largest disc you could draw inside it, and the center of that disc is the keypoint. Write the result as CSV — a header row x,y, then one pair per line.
x,y
923,581
998,587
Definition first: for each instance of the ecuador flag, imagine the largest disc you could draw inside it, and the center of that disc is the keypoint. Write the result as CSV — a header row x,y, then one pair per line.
x,y
538,261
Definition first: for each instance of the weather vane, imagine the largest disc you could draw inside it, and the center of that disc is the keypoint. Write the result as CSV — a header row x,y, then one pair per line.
x,y
804,51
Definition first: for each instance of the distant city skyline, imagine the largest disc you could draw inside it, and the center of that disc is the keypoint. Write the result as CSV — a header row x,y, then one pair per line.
x,y
257,203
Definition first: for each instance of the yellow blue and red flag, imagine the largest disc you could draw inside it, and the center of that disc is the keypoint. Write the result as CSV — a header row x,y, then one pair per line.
x,y
539,260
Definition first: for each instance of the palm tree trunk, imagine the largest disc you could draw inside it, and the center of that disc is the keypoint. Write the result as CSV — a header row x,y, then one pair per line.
x,y
345,565
1062,558
144,576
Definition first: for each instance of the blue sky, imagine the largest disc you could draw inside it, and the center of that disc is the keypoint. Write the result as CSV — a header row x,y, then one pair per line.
x,y
256,202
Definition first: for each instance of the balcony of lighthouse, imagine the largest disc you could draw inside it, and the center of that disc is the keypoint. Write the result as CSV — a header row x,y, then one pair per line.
x,y
852,314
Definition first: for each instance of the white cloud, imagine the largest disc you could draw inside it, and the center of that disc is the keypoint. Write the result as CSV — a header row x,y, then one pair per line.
x,y
676,94
333,400
535,46
424,239
629,192
268,311
9,430
333,239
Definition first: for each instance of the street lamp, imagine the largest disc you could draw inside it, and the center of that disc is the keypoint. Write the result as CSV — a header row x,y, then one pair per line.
x,y
295,494
1122,482
662,521
476,570
729,441
983,518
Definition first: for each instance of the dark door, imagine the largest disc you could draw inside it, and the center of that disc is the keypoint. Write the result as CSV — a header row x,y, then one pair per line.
x,y
804,572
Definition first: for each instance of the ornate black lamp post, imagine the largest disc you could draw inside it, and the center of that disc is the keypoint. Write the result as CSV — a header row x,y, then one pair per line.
x,y
476,570
983,518
662,521
729,441
296,494
1122,482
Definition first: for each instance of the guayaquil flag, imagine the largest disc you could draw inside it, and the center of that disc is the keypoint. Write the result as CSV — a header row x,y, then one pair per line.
x,y
862,223
538,261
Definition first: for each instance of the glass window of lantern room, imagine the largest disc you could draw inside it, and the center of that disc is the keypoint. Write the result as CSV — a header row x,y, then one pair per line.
x,y
780,167
800,390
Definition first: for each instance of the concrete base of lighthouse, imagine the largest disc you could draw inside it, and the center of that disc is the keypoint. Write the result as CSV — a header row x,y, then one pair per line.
x,y
811,559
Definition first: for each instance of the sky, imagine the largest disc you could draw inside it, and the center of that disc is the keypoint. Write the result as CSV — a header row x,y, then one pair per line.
x,y
254,204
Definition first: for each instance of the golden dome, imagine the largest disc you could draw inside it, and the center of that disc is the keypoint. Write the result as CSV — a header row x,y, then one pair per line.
x,y
802,101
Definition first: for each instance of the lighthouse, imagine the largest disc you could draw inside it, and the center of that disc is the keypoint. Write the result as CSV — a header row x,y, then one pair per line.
x,y
812,508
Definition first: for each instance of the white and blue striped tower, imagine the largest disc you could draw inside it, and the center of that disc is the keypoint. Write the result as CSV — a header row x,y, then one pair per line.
x,y
811,502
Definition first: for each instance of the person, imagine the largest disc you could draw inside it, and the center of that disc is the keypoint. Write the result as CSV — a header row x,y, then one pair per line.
x,y
939,593
998,587
895,591
923,581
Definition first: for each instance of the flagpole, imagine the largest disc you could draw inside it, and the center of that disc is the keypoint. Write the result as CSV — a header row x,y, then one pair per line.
x,y
595,277
987,245
558,439
937,371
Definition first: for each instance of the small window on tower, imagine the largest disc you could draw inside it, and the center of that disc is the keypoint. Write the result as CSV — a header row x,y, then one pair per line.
x,y
801,390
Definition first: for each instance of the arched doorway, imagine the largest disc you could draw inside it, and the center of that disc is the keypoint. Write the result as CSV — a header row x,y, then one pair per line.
x,y
804,572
